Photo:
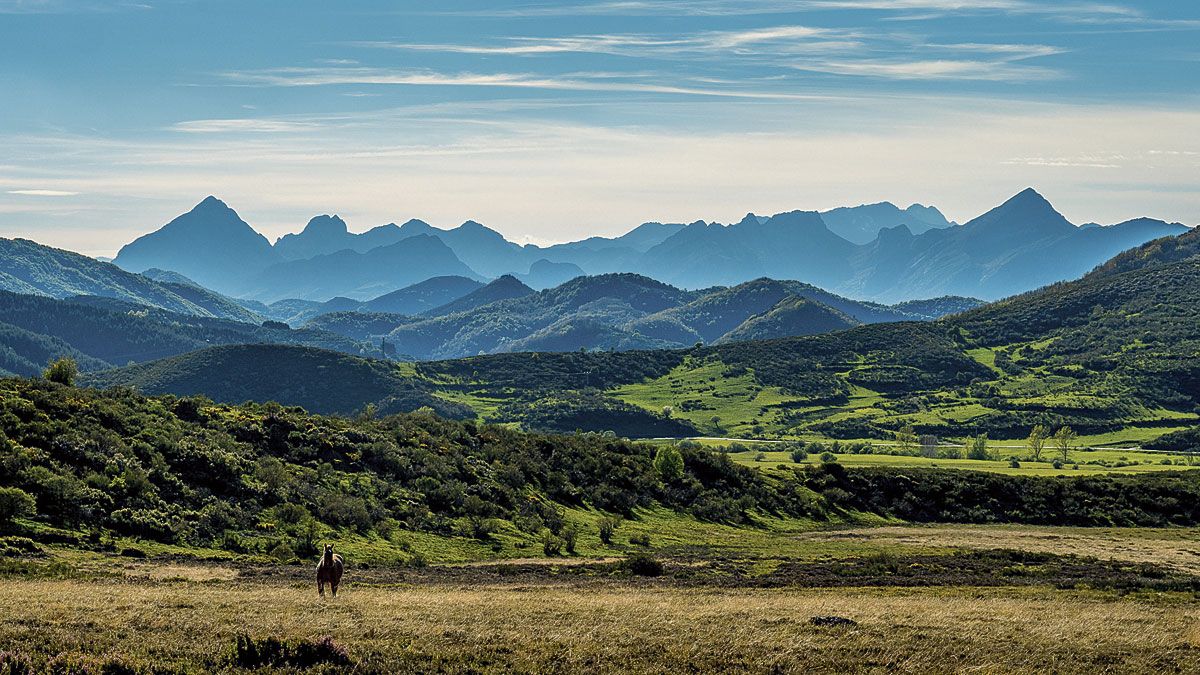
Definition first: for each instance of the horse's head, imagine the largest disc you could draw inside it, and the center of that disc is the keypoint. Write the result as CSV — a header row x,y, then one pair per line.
x,y
328,550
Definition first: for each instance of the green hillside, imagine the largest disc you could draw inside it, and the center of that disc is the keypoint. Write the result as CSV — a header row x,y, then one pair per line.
x,y
1112,355
104,332
184,474
33,269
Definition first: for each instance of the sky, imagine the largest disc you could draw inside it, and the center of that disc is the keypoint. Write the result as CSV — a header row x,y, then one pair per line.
x,y
556,120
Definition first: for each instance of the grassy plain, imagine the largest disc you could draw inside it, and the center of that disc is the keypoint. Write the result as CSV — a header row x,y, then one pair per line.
x,y
183,615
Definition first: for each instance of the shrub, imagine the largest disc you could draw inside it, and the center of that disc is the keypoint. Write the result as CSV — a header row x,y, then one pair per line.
x,y
1014,463
16,663
1057,464
640,540
608,526
18,546
758,457
828,457
15,503
799,455
643,564
283,553
568,536
248,652
62,371
668,462
551,544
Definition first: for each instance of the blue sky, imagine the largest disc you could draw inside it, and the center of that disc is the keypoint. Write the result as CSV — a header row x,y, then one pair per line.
x,y
555,120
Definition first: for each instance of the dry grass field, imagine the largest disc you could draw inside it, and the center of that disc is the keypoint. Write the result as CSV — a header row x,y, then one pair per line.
x,y
612,627
918,613
1175,548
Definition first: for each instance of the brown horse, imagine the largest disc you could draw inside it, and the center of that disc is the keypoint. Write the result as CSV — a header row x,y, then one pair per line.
x,y
329,571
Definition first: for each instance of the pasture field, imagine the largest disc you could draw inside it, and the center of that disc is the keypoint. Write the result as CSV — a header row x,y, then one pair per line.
x,y
923,599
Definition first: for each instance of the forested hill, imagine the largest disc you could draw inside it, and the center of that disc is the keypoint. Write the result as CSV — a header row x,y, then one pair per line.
x,y
33,269
1100,354
104,332
274,480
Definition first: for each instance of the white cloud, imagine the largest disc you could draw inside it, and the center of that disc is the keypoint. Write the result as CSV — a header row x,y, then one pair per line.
x,y
246,125
43,193
933,69
606,82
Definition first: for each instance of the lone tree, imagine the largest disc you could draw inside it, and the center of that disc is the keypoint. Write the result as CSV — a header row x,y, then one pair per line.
x,y
14,503
668,462
1037,441
62,371
977,447
1064,438
929,445
906,438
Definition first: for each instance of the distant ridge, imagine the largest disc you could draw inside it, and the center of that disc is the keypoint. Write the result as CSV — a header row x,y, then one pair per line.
x,y
878,252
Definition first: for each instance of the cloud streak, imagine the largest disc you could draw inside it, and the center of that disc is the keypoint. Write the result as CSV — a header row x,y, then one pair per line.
x,y
581,82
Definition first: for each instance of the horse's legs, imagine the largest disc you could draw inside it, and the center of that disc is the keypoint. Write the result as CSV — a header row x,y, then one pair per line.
x,y
321,588
333,586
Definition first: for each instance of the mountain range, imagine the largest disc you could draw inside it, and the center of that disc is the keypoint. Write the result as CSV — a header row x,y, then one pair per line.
x,y
64,304
876,251
1115,349
619,311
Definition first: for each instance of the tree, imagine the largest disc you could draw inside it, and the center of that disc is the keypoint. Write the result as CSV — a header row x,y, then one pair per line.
x,y
62,371
906,438
929,445
977,447
1064,438
668,462
14,503
1037,441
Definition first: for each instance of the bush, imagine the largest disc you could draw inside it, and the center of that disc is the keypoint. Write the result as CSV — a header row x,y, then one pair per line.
x,y
16,663
1014,463
552,545
1057,464
828,457
568,535
18,546
640,540
283,553
248,652
608,526
15,503
62,371
668,462
643,564
799,455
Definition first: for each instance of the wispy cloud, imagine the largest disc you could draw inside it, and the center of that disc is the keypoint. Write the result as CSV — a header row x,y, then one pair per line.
x,y
758,7
43,193
315,77
932,69
69,6
845,52
778,38
246,125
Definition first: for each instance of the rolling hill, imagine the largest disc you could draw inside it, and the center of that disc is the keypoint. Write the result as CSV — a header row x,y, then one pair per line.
x,y
104,332
33,269
602,312
1115,351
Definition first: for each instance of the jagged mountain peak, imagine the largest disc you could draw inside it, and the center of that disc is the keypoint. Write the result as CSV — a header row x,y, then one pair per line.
x,y
326,224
